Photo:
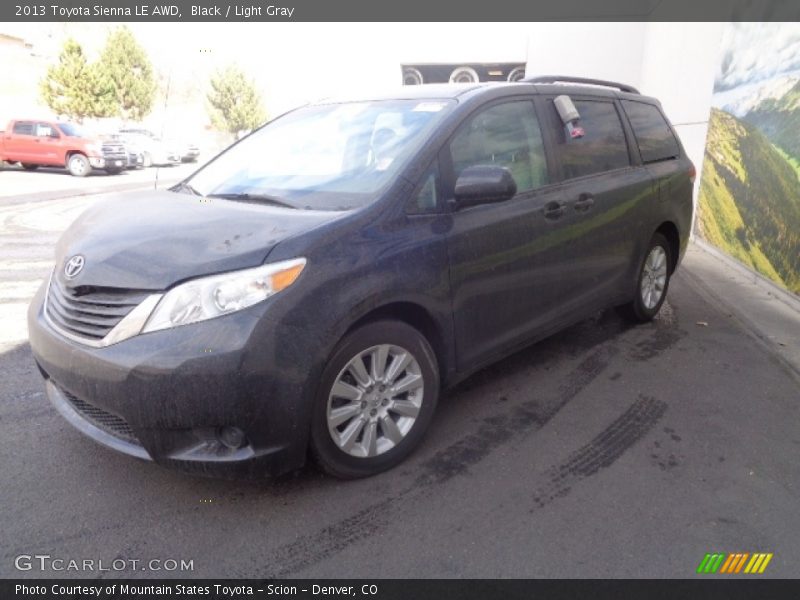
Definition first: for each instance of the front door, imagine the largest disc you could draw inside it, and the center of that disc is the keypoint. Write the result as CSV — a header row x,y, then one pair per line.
x,y
506,259
49,145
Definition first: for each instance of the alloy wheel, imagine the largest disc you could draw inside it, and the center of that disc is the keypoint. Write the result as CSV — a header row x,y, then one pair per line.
x,y
654,277
375,400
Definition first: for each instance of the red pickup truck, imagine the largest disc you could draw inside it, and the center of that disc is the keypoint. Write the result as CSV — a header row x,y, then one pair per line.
x,y
36,143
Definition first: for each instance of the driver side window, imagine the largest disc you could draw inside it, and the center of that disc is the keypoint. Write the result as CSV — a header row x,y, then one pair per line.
x,y
507,135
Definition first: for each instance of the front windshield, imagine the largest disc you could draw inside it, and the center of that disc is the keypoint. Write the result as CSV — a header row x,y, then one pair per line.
x,y
71,130
326,157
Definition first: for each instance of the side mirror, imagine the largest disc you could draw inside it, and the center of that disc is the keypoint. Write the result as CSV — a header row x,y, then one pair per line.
x,y
54,135
483,184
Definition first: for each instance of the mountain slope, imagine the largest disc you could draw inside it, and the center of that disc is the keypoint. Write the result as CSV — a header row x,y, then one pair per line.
x,y
749,204
779,120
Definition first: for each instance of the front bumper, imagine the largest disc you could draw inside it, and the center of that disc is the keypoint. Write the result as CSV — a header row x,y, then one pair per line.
x,y
109,162
164,396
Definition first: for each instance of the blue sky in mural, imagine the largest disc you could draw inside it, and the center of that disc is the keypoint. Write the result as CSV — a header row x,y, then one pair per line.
x,y
757,61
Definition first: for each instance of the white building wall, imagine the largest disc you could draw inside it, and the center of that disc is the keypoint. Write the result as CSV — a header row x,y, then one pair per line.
x,y
675,62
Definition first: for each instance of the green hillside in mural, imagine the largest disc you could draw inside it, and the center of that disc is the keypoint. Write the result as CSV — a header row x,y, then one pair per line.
x,y
779,120
749,204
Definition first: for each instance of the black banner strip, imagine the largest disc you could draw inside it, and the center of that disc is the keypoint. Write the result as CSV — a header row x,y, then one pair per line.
x,y
407,10
710,588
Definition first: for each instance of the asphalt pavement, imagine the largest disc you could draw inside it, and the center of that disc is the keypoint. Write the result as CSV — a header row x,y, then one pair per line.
x,y
604,451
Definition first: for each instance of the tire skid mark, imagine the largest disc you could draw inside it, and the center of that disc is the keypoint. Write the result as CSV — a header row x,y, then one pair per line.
x,y
602,451
495,431
529,416
314,548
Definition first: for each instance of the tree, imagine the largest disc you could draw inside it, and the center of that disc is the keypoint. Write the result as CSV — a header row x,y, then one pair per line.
x,y
125,68
74,88
235,104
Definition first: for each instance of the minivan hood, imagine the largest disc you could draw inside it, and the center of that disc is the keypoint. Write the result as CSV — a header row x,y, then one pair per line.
x,y
150,240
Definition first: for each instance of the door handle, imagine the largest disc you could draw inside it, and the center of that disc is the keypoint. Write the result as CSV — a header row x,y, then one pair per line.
x,y
584,202
553,210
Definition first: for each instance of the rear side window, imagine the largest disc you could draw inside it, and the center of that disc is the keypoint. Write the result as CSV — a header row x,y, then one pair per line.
x,y
507,135
23,128
653,134
602,147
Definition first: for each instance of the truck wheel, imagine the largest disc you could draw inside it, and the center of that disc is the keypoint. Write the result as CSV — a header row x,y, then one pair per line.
x,y
464,75
412,76
79,166
376,398
29,167
516,74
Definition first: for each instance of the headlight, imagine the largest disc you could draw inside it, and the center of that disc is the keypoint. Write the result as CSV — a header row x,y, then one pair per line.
x,y
217,295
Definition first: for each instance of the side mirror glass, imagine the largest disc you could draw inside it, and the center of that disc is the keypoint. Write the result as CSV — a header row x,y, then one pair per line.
x,y
483,184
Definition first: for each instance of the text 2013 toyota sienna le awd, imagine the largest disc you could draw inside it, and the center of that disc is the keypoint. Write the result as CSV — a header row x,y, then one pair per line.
x,y
312,289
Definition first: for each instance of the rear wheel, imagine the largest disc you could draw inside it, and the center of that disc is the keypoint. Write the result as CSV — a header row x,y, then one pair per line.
x,y
652,282
375,401
78,165
29,167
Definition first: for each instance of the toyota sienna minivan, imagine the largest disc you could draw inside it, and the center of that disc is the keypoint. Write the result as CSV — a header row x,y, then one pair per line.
x,y
311,290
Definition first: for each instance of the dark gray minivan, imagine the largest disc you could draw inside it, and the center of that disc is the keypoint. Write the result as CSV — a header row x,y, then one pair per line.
x,y
312,289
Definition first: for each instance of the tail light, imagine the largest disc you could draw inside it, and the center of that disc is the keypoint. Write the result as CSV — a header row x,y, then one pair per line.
x,y
692,173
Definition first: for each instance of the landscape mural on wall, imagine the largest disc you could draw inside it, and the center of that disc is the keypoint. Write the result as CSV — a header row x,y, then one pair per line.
x,y
749,201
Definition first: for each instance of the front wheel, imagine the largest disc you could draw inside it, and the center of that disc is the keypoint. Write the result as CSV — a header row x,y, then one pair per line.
x,y
376,399
652,283
78,165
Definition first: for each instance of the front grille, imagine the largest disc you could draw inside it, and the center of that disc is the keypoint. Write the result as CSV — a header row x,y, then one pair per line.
x,y
110,423
114,150
90,312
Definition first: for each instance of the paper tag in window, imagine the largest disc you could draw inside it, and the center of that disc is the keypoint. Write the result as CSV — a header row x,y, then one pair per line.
x,y
429,106
383,164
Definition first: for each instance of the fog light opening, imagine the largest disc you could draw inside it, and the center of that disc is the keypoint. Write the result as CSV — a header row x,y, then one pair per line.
x,y
231,437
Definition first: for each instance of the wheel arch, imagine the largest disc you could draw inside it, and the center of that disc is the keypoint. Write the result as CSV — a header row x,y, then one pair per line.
x,y
670,231
418,317
70,153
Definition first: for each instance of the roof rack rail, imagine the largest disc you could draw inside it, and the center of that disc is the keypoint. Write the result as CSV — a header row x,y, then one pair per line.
x,y
623,87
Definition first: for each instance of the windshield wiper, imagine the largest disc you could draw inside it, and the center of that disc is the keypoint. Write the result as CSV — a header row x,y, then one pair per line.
x,y
245,197
184,187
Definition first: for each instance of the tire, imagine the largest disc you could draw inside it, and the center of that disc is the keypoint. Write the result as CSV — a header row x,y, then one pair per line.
x,y
114,171
464,75
652,282
412,76
516,74
78,165
147,160
366,411
29,167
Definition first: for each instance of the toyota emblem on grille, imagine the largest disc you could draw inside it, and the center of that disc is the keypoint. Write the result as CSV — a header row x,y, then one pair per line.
x,y
74,266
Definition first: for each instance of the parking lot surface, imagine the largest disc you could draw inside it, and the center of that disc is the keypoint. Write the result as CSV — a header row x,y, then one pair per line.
x,y
605,451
